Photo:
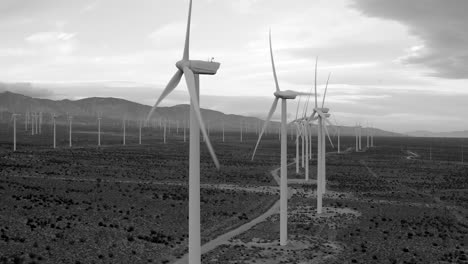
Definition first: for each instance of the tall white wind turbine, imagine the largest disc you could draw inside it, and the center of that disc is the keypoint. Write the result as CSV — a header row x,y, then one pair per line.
x,y
321,115
192,69
283,95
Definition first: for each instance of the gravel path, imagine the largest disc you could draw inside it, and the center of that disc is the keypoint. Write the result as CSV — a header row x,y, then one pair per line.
x,y
224,239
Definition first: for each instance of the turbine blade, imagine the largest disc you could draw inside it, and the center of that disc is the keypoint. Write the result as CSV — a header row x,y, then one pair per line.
x,y
169,88
315,86
301,93
190,79
330,124
187,34
270,114
328,135
298,104
273,66
326,88
311,117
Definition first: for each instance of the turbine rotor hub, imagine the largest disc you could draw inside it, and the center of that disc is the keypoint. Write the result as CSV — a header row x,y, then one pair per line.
x,y
182,63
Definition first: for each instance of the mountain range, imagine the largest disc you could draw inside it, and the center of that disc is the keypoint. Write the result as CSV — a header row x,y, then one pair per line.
x,y
87,110
424,133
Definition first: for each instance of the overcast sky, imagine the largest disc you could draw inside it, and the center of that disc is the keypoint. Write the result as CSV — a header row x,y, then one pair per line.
x,y
401,65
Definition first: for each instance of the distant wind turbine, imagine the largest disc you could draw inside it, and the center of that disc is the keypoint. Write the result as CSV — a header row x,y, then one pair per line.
x,y
192,69
139,131
124,131
99,130
70,120
13,117
54,127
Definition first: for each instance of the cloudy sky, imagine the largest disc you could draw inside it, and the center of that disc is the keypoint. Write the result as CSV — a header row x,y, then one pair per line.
x,y
400,65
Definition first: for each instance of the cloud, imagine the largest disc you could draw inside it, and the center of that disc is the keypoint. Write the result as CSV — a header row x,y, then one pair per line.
x,y
440,25
15,52
49,37
55,42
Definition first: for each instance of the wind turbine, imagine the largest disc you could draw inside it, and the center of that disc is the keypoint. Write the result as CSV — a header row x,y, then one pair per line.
x,y
124,131
32,124
283,95
321,115
339,134
139,132
367,136
223,130
192,69
13,117
99,130
37,124
70,120
54,128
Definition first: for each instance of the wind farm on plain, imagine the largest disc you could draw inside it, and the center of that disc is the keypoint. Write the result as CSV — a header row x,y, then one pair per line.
x,y
106,180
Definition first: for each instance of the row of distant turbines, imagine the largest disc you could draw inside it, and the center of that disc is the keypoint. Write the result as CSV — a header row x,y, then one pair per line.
x,y
35,121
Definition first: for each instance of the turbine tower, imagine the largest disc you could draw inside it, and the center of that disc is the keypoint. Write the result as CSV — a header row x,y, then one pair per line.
x,y
339,135
283,95
99,130
192,69
139,132
55,130
32,124
124,131
13,117
70,120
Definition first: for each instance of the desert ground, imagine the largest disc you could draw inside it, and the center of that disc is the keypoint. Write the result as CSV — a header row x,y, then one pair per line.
x,y
403,201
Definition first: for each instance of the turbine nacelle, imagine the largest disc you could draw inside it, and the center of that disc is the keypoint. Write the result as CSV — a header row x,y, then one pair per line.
x,y
288,94
199,67
322,110
285,94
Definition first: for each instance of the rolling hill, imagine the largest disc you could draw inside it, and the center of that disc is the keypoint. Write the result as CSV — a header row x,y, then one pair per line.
x,y
87,109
